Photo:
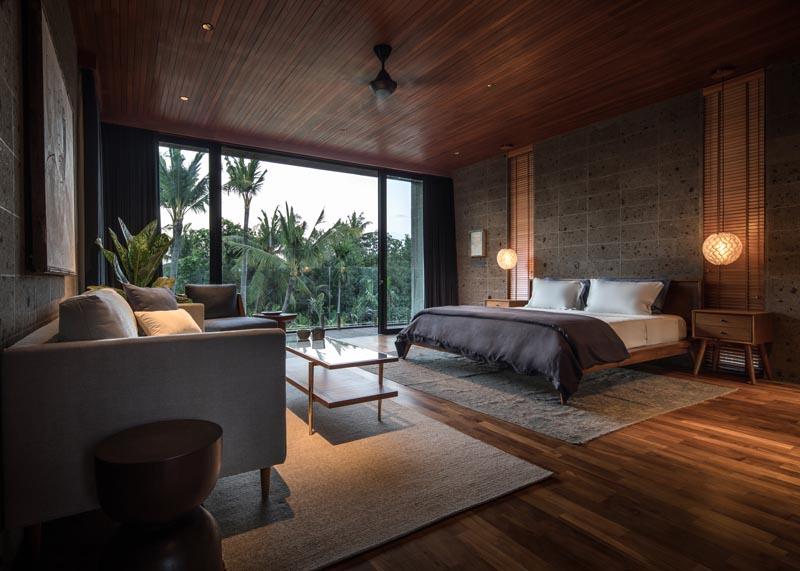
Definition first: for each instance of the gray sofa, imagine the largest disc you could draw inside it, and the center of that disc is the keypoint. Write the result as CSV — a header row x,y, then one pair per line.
x,y
60,399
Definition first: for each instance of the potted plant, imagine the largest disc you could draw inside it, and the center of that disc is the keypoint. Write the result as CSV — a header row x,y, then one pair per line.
x,y
137,261
316,306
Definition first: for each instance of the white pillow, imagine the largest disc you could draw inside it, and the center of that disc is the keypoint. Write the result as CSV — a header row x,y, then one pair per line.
x,y
633,298
555,294
169,322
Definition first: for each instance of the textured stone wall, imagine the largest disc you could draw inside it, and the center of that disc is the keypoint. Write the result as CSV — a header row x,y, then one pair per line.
x,y
623,197
480,203
26,301
782,158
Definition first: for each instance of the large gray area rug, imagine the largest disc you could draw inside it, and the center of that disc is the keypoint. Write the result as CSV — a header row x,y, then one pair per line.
x,y
357,484
606,400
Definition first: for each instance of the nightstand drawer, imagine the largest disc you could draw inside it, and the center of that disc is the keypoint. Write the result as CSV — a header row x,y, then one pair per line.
x,y
499,302
723,320
724,332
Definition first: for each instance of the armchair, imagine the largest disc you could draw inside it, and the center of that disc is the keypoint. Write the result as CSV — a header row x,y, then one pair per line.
x,y
224,310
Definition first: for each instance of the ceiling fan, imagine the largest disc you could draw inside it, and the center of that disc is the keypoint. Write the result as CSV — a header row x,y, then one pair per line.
x,y
383,85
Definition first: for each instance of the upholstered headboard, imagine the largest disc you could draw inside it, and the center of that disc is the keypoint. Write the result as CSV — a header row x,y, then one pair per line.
x,y
682,297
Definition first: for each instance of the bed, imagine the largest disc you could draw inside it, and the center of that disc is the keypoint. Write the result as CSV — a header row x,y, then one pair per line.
x,y
561,345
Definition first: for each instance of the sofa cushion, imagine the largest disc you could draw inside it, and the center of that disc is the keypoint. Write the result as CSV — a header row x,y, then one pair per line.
x,y
218,299
171,322
150,298
100,314
239,323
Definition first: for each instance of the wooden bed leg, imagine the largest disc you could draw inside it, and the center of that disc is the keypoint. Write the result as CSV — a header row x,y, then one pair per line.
x,y
403,349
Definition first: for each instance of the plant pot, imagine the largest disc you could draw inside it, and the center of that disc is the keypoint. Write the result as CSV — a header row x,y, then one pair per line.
x,y
318,334
303,334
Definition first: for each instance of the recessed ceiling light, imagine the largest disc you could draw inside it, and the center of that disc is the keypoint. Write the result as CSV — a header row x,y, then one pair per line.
x,y
723,72
183,98
207,26
456,153
490,85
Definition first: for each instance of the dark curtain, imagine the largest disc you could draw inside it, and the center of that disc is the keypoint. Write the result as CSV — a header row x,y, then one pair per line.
x,y
439,235
130,178
93,223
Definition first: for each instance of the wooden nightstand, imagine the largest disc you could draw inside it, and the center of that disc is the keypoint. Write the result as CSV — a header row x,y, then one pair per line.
x,y
504,302
738,326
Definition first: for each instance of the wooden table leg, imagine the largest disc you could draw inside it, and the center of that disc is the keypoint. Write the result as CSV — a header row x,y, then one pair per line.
x,y
380,384
310,398
765,362
751,371
717,349
700,354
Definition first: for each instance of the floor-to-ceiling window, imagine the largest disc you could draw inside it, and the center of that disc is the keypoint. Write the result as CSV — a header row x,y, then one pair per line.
x,y
184,210
301,238
294,234
404,251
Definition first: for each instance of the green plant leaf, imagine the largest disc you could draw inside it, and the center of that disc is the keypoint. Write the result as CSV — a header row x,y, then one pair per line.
x,y
164,282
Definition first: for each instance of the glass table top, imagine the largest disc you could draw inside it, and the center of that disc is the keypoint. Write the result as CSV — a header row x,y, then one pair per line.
x,y
337,354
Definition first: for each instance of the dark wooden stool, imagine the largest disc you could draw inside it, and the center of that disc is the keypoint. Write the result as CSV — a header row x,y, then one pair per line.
x,y
153,479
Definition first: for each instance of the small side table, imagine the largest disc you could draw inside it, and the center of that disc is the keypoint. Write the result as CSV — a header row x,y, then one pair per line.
x,y
507,303
736,326
153,478
281,318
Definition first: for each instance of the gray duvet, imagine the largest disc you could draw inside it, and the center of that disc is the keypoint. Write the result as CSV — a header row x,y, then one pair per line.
x,y
556,345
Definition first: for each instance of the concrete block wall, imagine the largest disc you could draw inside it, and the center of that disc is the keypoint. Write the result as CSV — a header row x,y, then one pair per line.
x,y
623,197
782,169
26,300
481,203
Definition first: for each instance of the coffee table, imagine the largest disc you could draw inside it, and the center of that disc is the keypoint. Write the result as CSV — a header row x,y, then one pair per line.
x,y
327,371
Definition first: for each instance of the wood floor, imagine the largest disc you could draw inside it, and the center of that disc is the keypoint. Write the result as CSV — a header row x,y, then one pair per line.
x,y
712,486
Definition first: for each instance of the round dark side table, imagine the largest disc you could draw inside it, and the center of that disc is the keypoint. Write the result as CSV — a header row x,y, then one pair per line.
x,y
153,479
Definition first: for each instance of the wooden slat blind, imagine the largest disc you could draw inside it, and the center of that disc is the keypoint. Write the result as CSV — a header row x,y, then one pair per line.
x,y
520,222
733,196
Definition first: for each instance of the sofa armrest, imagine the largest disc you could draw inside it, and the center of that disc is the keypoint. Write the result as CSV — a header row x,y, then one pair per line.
x,y
60,399
197,311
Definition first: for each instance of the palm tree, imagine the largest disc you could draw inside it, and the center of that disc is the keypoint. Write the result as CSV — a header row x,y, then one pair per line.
x,y
301,247
245,178
348,232
182,191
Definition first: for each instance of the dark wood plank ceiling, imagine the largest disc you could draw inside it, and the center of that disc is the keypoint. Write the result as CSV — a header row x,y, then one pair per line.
x,y
293,75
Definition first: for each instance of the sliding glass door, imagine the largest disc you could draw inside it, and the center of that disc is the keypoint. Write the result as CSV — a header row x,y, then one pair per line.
x,y
340,245
402,272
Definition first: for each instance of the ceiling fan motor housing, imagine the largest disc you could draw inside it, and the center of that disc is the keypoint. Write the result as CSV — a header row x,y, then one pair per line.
x,y
383,84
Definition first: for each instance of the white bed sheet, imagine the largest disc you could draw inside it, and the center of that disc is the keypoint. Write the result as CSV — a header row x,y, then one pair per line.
x,y
636,330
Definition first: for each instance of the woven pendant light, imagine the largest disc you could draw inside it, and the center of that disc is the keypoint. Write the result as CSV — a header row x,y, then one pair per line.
x,y
507,258
722,248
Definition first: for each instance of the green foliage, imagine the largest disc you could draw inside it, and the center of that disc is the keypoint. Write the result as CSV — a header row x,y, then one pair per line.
x,y
181,191
138,261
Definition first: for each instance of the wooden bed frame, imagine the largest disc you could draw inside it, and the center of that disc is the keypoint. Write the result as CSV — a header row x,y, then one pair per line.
x,y
682,297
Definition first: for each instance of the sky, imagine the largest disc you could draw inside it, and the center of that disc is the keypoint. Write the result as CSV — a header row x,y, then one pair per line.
x,y
310,190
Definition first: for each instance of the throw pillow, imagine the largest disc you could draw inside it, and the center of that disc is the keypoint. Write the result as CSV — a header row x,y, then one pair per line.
x,y
100,314
170,322
150,298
